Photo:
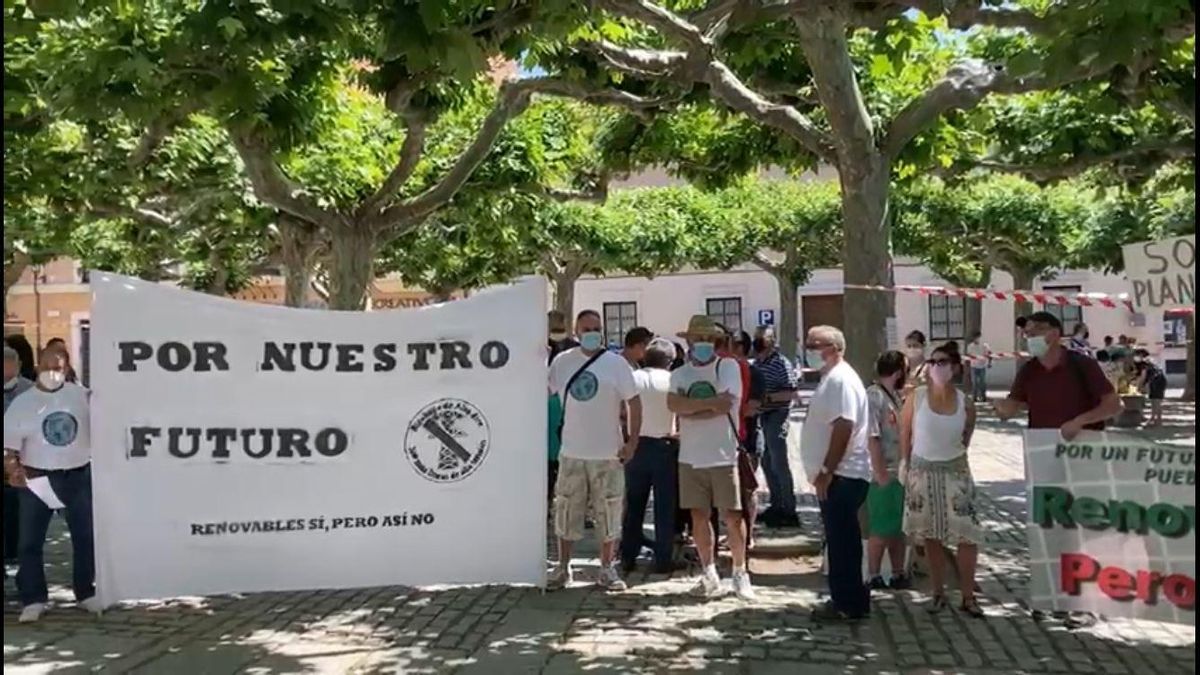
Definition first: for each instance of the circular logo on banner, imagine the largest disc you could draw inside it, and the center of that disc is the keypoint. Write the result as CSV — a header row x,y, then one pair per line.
x,y
585,386
702,389
447,440
60,428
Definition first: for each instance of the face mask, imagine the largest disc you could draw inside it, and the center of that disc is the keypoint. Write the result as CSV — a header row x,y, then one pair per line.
x,y
558,336
703,351
591,341
814,358
941,373
1037,346
11,384
915,353
51,379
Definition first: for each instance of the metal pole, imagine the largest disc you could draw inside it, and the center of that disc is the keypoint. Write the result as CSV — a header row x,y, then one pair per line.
x,y
37,306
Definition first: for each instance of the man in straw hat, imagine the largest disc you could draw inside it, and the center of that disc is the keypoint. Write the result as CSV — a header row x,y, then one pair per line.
x,y
705,394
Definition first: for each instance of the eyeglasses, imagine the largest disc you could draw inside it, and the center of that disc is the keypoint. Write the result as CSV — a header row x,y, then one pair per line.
x,y
941,362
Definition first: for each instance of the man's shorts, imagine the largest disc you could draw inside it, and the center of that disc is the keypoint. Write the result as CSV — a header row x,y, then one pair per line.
x,y
885,510
599,483
713,487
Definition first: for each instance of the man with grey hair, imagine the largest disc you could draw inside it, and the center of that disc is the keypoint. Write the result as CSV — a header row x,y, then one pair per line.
x,y
780,382
833,450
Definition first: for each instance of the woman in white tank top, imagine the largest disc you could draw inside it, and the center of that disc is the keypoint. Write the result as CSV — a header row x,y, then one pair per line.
x,y
935,430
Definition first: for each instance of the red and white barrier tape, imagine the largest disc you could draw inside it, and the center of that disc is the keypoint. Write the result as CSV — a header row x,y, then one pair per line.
x,y
1042,297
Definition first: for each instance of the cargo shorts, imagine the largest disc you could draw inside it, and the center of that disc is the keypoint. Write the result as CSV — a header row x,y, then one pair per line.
x,y
598,483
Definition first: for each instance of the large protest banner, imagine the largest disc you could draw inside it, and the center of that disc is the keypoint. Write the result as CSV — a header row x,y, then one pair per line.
x,y
243,447
1162,273
1112,526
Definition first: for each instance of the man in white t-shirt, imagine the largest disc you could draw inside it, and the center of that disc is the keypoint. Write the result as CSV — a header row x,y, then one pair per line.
x,y
981,360
833,451
705,394
655,465
595,385
46,435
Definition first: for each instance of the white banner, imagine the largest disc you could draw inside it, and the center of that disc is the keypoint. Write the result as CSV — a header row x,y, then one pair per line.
x,y
1162,273
1112,523
245,447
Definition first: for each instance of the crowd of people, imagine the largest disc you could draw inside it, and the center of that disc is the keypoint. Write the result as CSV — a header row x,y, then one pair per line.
x,y
691,423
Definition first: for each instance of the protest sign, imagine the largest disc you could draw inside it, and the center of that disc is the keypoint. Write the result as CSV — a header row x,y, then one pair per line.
x,y
244,447
1162,273
1112,526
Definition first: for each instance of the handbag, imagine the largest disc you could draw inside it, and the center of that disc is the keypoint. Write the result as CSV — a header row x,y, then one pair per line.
x,y
747,476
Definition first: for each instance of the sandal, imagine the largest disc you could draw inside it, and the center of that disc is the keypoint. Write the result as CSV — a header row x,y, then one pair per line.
x,y
939,603
971,607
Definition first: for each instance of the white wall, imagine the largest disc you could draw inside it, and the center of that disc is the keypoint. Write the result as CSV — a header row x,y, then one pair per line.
x,y
665,303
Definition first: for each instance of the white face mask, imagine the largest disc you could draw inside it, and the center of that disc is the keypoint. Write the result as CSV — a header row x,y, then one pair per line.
x,y
10,384
1037,346
51,379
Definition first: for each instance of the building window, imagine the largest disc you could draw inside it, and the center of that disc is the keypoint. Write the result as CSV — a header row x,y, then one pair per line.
x,y
1174,328
619,319
947,318
1069,315
725,311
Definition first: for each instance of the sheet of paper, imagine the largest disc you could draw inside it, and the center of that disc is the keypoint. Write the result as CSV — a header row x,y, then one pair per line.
x,y
41,487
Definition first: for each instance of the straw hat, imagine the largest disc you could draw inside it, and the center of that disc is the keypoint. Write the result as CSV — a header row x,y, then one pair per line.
x,y
701,326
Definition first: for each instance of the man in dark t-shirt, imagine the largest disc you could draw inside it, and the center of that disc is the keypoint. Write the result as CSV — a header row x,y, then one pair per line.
x,y
1060,389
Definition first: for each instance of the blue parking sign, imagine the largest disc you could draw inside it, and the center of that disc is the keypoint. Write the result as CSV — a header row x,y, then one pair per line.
x,y
766,317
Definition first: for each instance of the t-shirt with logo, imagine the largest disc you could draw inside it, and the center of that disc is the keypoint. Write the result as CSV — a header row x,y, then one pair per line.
x,y
592,408
708,442
50,430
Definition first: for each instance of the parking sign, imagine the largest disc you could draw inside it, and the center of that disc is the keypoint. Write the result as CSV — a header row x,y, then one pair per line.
x,y
766,317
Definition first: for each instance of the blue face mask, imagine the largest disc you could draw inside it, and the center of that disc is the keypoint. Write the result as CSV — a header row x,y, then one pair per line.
x,y
703,352
592,341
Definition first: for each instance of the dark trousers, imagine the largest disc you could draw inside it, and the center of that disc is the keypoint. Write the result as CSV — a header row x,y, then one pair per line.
x,y
775,460
74,489
843,541
654,467
11,523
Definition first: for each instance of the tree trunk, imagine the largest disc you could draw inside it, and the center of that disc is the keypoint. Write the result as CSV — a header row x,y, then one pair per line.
x,y
564,293
788,334
1023,281
351,267
868,261
12,274
298,241
219,283
1189,387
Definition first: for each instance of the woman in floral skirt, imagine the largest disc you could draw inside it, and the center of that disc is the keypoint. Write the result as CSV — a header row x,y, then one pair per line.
x,y
940,506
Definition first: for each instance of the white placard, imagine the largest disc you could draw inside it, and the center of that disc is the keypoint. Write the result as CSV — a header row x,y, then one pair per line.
x,y
1111,525
245,447
1162,273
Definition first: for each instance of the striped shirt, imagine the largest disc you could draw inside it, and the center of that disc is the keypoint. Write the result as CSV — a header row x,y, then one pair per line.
x,y
779,376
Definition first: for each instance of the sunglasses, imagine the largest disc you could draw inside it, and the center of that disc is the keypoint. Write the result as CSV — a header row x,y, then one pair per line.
x,y
941,362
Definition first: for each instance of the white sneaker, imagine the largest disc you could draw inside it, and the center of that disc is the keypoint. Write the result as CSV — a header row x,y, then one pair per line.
x,y
560,578
742,587
610,579
92,605
31,613
707,587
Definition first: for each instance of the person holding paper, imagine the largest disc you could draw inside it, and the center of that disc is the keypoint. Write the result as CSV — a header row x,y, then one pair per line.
x,y
47,444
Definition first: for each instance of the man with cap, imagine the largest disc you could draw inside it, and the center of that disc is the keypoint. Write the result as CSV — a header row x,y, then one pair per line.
x,y
705,395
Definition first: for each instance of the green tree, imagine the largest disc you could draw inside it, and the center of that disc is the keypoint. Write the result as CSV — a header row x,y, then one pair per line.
x,y
874,89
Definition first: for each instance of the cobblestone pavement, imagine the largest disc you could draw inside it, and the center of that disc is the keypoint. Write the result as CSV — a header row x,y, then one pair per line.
x,y
653,627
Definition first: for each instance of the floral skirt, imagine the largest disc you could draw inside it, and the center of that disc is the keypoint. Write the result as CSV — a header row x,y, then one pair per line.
x,y
940,502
